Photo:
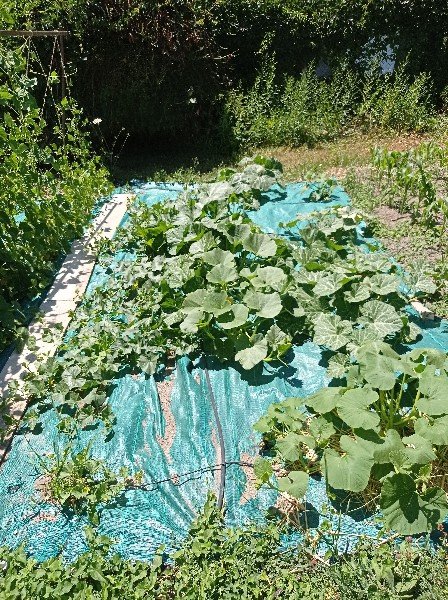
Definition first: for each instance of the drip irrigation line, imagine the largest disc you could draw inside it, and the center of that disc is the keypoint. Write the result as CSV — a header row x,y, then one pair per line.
x,y
222,448
175,476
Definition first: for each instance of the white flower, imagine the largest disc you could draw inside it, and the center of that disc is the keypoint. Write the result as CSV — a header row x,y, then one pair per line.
x,y
311,455
192,100
97,121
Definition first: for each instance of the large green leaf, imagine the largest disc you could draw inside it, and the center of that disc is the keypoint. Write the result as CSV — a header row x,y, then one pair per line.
x,y
325,400
289,446
361,337
407,512
382,284
205,243
419,282
358,292
194,300
434,388
428,357
265,305
249,357
354,408
217,256
381,317
321,429
331,331
217,303
329,284
259,244
418,450
385,447
219,190
235,317
435,431
222,273
378,370
338,365
192,320
269,277
295,484
351,471
277,339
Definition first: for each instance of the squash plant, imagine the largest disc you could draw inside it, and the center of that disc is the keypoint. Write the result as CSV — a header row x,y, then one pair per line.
x,y
385,428
196,275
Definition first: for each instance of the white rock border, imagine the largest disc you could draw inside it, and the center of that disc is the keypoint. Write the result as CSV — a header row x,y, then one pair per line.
x,y
59,304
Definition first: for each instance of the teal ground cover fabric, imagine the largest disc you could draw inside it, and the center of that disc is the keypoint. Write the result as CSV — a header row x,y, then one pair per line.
x,y
167,429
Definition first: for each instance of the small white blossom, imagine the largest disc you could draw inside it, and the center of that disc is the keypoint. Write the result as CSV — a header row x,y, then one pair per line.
x,y
192,100
97,121
311,455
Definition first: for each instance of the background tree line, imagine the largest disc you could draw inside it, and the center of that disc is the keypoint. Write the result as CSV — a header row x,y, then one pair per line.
x,y
163,69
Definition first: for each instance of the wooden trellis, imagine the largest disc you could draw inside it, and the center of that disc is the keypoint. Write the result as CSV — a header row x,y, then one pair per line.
x,y
59,36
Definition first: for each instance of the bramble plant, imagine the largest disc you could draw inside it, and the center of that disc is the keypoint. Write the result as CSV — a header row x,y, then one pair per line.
x,y
384,430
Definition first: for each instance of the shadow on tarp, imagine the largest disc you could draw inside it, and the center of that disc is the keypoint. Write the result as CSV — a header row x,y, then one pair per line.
x,y
168,430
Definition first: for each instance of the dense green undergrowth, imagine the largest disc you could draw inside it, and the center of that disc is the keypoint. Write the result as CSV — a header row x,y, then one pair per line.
x,y
293,111
215,563
50,183
165,70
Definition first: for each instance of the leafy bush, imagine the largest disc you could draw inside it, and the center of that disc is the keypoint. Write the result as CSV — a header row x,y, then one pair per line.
x,y
297,111
395,101
309,109
47,194
216,562
384,429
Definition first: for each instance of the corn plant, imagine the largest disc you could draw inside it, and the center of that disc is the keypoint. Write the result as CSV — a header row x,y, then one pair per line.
x,y
415,181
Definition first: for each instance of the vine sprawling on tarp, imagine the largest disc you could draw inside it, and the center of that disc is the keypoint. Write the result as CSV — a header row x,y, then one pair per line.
x,y
197,275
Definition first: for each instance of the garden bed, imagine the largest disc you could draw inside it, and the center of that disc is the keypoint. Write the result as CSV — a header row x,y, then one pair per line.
x,y
166,435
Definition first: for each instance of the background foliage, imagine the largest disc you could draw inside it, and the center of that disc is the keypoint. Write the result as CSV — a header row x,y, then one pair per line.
x,y
163,70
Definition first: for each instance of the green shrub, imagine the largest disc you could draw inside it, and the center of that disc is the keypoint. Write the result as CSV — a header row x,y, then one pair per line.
x,y
309,109
47,194
396,101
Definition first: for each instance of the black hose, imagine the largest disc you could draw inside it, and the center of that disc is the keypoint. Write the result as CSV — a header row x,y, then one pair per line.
x,y
222,447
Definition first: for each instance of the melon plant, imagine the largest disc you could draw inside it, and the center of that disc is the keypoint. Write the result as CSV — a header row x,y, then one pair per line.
x,y
384,429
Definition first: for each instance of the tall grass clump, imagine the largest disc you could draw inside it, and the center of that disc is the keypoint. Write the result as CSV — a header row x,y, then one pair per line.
x,y
308,109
